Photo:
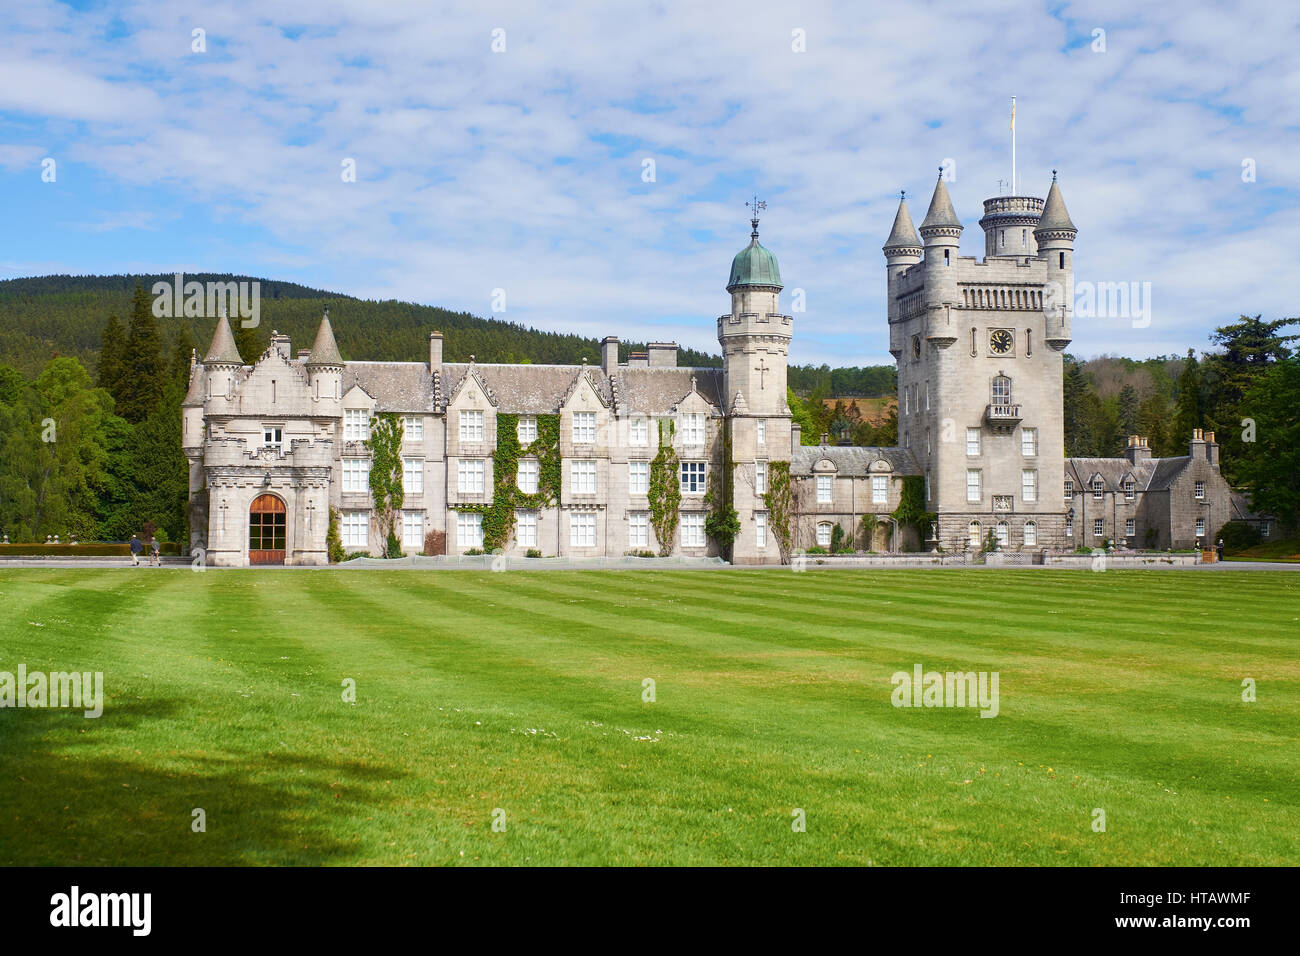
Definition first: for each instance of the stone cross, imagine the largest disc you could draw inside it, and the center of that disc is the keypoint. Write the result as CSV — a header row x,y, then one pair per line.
x,y
762,369
224,506
311,508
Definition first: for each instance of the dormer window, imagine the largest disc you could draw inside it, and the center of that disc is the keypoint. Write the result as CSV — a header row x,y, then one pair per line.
x,y
356,424
272,437
1098,489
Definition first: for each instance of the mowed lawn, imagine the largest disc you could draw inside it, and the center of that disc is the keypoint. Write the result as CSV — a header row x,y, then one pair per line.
x,y
520,695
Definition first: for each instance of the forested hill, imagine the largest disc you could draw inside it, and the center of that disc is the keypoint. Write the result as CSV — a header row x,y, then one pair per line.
x,y
65,315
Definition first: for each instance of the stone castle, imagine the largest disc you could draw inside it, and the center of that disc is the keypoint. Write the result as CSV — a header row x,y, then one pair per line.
x,y
276,446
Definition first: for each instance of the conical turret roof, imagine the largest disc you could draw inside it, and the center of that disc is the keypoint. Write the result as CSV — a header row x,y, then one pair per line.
x,y
1055,218
222,351
941,214
325,351
903,235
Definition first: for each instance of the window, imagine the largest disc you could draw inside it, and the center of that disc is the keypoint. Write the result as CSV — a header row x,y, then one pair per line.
x,y
760,477
1001,390
413,476
1098,528
584,428
272,437
356,424
471,425
638,477
823,535
1200,491
972,441
1069,527
972,484
1097,488
638,432
973,534
1004,534
762,431
413,427
526,529
1024,238
693,429
760,529
1130,528
1029,442
356,474
527,476
526,430
469,529
824,489
927,396
469,476
879,489
1263,529
693,530
1031,534
584,478
638,530
1069,489
412,529
1200,527
692,477
1028,485
354,526
1130,490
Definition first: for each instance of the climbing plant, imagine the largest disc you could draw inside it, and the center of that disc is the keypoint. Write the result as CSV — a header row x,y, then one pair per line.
x,y
779,504
507,499
911,506
722,523
665,489
333,539
868,524
385,444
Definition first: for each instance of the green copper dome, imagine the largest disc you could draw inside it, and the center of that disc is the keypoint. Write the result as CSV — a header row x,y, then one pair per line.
x,y
754,265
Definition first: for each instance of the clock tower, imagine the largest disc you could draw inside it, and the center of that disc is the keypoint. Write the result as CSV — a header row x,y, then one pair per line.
x,y
979,345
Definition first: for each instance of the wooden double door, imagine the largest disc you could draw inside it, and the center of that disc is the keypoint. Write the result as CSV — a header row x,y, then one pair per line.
x,y
267,519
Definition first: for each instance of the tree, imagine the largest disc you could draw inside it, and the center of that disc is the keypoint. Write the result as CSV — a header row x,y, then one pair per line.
x,y
1270,467
112,358
1189,412
385,444
1074,389
1129,410
144,373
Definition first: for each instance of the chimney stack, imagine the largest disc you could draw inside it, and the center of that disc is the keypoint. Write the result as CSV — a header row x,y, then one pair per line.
x,y
638,360
435,351
1196,447
1138,449
662,354
796,437
1211,449
609,354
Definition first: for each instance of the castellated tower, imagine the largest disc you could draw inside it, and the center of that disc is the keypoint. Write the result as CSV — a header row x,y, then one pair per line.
x,y
979,349
755,339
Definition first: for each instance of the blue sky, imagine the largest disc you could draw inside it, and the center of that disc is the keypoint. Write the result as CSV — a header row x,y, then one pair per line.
x,y
522,170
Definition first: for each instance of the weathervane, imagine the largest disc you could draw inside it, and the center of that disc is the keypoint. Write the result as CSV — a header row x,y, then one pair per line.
x,y
755,207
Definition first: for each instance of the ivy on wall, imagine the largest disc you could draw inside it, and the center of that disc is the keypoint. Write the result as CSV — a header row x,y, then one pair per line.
x,y
333,539
722,523
507,499
911,506
780,506
385,444
665,489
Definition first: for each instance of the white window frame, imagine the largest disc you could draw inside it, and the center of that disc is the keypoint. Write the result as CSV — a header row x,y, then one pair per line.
x,y
584,428
760,529
356,424
470,475
469,530
1069,489
354,529
413,476
526,430
582,476
273,437
824,534
413,428
972,442
470,425
527,475
1031,534
1130,528
1069,527
975,533
582,529
693,429
1029,442
1028,484
1098,489
693,530
526,529
1098,528
825,489
638,477
694,477
356,475
760,477
638,529
880,489
761,431
1002,534
1200,527
974,485
412,520
1199,490
638,431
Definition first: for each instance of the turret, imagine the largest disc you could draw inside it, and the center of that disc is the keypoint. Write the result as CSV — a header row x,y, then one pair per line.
x,y
325,367
1009,223
222,361
1055,236
941,231
902,250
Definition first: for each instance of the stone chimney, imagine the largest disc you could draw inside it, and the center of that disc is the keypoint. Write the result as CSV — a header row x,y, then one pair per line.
x,y
304,354
638,360
280,343
1211,449
1196,447
796,437
609,354
1138,449
662,354
824,437
435,351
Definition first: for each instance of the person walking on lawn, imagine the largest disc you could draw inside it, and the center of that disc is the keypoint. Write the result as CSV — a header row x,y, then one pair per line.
x,y
155,556
137,548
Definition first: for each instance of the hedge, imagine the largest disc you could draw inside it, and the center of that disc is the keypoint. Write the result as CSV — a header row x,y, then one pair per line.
x,y
90,549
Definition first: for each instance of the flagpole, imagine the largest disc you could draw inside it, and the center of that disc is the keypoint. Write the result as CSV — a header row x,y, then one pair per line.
x,y
1013,145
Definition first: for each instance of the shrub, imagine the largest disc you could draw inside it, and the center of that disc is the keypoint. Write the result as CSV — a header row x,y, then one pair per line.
x,y
837,539
533,553
641,554
394,546
356,554
435,542
1237,536
333,539
474,552
816,549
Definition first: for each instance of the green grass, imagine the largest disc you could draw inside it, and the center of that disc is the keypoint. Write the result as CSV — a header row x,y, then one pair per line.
x,y
523,691
1278,549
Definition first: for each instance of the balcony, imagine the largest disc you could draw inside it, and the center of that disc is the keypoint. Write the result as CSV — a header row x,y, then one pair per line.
x,y
1002,416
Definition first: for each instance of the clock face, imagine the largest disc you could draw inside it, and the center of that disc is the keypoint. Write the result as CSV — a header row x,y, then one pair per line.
x,y
1001,341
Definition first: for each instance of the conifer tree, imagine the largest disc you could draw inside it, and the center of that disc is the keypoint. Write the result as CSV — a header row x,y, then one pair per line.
x,y
144,372
112,356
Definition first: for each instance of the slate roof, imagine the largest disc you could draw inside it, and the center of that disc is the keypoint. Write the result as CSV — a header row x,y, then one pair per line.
x,y
1054,217
657,391
903,235
854,460
222,351
395,386
940,213
1153,474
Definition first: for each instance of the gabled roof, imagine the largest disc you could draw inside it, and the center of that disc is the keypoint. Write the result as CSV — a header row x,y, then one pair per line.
x,y
853,460
395,386
658,391
1151,474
